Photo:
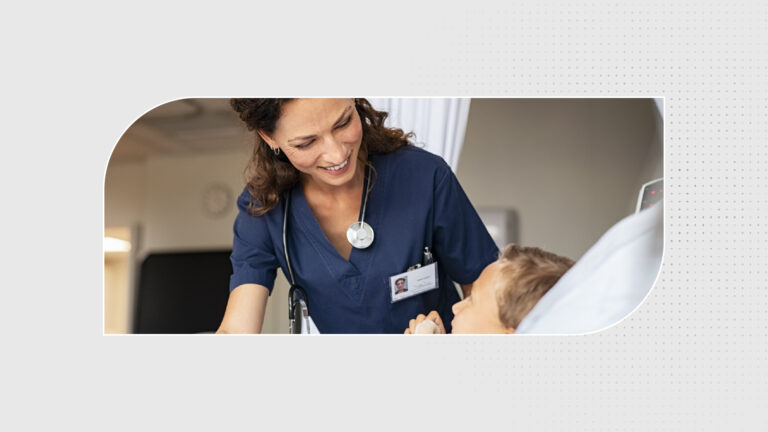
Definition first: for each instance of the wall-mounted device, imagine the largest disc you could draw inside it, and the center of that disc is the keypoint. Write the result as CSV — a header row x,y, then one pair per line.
x,y
650,194
500,223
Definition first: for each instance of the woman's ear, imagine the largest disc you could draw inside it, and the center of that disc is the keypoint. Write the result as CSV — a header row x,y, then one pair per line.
x,y
267,139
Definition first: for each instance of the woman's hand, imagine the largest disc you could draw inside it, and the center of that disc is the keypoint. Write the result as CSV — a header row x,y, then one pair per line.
x,y
432,316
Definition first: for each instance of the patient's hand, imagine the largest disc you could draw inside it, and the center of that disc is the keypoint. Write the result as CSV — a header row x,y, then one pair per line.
x,y
414,326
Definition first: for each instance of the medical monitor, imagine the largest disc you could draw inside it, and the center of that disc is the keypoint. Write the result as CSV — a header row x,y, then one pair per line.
x,y
650,194
182,292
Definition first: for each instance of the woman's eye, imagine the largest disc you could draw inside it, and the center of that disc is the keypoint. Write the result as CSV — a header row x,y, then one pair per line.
x,y
346,122
305,145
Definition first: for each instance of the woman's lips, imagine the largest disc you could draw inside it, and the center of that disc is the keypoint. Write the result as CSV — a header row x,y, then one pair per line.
x,y
338,169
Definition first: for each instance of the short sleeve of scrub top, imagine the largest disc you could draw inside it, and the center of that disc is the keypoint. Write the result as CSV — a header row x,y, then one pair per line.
x,y
253,256
461,241
415,202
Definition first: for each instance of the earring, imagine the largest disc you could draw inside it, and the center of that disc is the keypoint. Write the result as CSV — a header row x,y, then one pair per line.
x,y
277,151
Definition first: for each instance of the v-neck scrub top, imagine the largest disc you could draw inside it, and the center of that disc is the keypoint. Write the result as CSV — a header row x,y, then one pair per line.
x,y
415,202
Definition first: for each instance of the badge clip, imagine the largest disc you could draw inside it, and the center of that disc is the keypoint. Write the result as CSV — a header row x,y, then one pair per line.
x,y
427,258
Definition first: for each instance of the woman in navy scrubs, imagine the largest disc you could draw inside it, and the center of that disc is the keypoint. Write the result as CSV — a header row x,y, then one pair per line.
x,y
326,153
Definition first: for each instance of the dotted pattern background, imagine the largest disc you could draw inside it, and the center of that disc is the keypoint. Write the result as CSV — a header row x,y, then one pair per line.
x,y
693,357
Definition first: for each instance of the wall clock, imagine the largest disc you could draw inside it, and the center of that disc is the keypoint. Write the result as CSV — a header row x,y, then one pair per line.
x,y
217,200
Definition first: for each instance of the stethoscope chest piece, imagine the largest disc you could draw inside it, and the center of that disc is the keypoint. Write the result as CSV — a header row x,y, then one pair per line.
x,y
360,235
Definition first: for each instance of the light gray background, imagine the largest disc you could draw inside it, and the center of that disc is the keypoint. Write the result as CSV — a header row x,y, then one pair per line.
x,y
693,357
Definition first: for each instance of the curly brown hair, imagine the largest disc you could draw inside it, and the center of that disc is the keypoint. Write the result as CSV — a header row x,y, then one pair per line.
x,y
268,175
525,275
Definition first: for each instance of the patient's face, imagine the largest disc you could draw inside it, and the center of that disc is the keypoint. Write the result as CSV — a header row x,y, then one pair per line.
x,y
479,313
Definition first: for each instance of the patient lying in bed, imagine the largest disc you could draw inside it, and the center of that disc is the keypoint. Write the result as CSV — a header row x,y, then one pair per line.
x,y
503,294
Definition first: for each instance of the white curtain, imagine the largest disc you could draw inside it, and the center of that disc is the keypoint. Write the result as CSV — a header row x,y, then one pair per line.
x,y
439,124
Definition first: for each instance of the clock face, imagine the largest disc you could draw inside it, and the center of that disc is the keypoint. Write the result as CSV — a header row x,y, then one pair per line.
x,y
217,200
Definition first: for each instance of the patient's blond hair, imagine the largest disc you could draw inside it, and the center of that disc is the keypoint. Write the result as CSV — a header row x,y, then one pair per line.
x,y
525,275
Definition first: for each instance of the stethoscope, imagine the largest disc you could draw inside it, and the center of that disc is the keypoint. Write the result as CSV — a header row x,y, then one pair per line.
x,y
360,235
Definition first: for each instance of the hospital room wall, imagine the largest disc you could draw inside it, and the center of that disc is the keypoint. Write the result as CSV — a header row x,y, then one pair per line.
x,y
163,195
569,169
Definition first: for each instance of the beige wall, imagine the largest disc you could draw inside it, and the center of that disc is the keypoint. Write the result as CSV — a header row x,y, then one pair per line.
x,y
569,169
164,196
174,216
124,194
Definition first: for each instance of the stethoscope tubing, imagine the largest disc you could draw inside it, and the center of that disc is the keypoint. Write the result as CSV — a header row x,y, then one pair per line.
x,y
294,288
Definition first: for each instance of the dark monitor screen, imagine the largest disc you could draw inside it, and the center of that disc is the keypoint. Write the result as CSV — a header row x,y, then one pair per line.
x,y
182,292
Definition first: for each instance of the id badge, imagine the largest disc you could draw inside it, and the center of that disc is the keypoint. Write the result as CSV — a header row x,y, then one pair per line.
x,y
413,282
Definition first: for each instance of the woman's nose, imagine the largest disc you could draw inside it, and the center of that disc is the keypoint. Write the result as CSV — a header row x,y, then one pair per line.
x,y
335,151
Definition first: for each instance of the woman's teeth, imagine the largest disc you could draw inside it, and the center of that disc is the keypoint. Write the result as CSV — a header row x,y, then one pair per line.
x,y
338,167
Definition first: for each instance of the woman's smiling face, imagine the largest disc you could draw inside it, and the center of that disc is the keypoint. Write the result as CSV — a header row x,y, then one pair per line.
x,y
321,138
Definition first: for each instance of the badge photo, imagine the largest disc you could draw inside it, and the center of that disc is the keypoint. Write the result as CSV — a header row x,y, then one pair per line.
x,y
413,282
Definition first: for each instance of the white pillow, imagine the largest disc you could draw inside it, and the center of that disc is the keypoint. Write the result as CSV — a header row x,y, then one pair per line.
x,y
607,283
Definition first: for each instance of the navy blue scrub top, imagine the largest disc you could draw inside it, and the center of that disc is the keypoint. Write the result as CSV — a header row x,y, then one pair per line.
x,y
415,202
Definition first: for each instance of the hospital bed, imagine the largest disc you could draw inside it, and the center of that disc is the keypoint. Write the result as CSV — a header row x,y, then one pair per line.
x,y
611,279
